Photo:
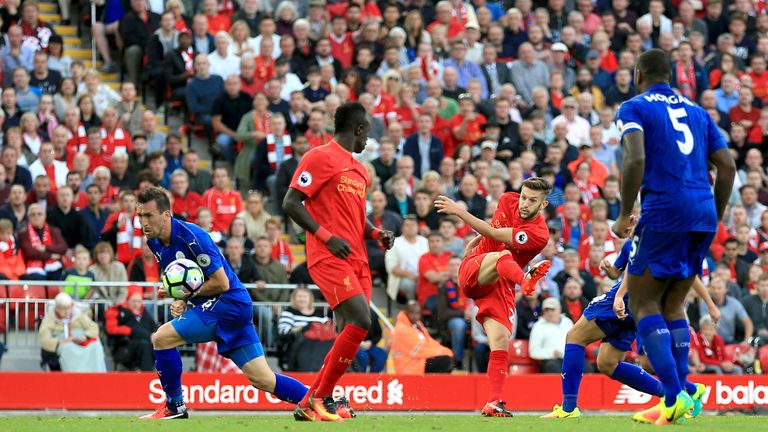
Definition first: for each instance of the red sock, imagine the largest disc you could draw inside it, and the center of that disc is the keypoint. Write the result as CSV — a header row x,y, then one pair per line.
x,y
509,269
316,382
497,374
340,357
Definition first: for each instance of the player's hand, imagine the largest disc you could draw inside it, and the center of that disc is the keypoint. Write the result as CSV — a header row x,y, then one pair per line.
x,y
715,315
339,247
619,308
609,269
387,239
623,225
178,307
445,205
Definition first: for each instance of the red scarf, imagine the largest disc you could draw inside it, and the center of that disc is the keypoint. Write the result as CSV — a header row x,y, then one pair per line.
x,y
461,15
38,266
128,249
686,80
261,123
189,58
8,248
566,235
272,151
428,67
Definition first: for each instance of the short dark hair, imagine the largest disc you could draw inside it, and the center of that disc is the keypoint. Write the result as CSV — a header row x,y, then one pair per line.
x,y
93,130
655,65
611,178
154,156
546,171
537,184
731,240
349,116
158,195
92,185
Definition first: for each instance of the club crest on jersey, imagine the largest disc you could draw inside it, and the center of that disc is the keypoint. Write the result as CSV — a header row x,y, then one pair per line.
x,y
204,260
305,179
521,237
179,255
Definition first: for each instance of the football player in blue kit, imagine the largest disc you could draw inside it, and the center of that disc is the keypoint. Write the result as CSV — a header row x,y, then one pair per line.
x,y
607,320
222,311
669,144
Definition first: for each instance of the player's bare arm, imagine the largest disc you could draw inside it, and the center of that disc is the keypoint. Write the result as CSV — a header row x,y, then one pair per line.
x,y
618,301
726,172
447,206
216,284
385,237
609,269
293,206
631,180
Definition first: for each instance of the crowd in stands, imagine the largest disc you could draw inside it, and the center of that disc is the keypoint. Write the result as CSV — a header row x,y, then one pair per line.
x,y
465,99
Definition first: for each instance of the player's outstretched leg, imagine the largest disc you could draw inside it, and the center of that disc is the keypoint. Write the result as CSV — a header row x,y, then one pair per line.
x,y
169,368
250,359
356,316
498,367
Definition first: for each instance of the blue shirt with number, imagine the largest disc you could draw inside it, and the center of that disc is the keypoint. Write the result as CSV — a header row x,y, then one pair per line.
x,y
679,137
192,242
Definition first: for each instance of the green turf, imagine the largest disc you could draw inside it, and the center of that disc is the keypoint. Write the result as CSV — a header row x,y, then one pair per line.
x,y
368,423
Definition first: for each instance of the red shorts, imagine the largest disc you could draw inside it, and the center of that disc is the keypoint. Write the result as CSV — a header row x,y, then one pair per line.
x,y
495,301
340,279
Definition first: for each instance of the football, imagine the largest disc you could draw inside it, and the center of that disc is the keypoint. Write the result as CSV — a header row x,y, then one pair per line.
x,y
182,278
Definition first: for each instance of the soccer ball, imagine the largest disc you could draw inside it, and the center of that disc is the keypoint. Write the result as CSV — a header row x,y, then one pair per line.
x,y
182,278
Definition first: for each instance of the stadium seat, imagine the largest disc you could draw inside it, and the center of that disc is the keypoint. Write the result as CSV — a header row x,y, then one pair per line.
x,y
2,318
731,352
518,353
763,356
25,292
52,291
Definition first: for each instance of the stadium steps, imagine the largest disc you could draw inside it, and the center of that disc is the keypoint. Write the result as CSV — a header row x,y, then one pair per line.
x,y
48,8
49,17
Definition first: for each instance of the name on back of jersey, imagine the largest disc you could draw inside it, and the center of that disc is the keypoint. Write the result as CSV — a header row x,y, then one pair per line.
x,y
672,99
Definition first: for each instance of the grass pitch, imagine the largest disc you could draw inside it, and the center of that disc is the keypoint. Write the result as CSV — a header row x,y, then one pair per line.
x,y
367,423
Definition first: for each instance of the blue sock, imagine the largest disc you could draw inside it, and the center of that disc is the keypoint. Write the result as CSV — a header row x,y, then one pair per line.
x,y
640,380
289,389
690,388
681,344
573,369
658,345
168,365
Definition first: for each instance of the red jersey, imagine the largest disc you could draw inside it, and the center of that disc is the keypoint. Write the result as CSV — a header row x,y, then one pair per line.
x,y
117,140
187,206
529,236
343,48
383,104
429,262
219,22
97,160
317,140
473,132
454,28
281,252
443,130
406,117
110,196
80,201
251,87
335,184
224,205
265,70
737,115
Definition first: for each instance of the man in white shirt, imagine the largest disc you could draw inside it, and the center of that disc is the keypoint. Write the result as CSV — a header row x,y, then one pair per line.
x,y
547,340
578,127
222,63
47,166
402,261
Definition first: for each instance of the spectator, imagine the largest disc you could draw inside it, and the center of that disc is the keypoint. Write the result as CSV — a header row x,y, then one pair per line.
x,y
271,270
97,157
16,54
402,261
199,179
205,221
547,339
243,265
114,138
468,193
622,90
41,193
155,138
591,80
711,351
125,227
106,269
252,129
453,310
202,39
14,173
281,250
94,215
425,212
571,270
36,32
494,72
467,124
121,177
425,149
178,67
739,269
186,203
70,222
43,78
224,63
414,351
743,112
528,73
756,306
228,108
144,268
573,302
47,166
271,152
578,127
732,313
164,40
305,333
224,201
370,356
433,271
751,204
202,91
130,325
42,246
12,265
70,339
102,95
27,97
300,313
173,153
287,169
79,275
255,216
135,29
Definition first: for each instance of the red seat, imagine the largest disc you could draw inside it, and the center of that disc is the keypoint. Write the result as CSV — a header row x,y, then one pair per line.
x,y
518,353
731,351
27,315
25,292
517,369
2,318
763,356
52,291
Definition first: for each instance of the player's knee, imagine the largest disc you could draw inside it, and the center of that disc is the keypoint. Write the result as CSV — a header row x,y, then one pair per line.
x,y
361,320
606,366
160,341
263,380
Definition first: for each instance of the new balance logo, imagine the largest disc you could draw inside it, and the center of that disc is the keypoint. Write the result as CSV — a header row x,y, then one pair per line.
x,y
629,396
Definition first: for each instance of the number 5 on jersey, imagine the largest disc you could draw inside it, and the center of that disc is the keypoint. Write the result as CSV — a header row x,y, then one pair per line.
x,y
686,147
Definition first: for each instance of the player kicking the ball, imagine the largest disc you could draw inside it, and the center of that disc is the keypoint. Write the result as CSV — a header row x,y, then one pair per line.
x,y
668,143
327,199
493,266
606,319
222,310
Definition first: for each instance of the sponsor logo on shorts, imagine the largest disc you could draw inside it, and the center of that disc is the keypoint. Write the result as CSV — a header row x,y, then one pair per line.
x,y
305,179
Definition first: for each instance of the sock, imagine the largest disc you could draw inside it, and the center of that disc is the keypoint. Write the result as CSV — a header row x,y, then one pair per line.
x,y
498,368
289,389
690,388
509,269
168,365
658,345
573,369
640,380
681,344
340,358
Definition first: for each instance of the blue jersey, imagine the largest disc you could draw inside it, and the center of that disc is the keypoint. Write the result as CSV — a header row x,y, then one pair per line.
x,y
192,242
679,137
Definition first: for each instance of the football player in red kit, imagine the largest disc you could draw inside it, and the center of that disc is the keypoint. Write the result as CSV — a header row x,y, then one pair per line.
x,y
492,266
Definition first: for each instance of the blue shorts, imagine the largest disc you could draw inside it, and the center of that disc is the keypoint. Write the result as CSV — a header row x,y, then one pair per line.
x,y
669,255
226,319
619,333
